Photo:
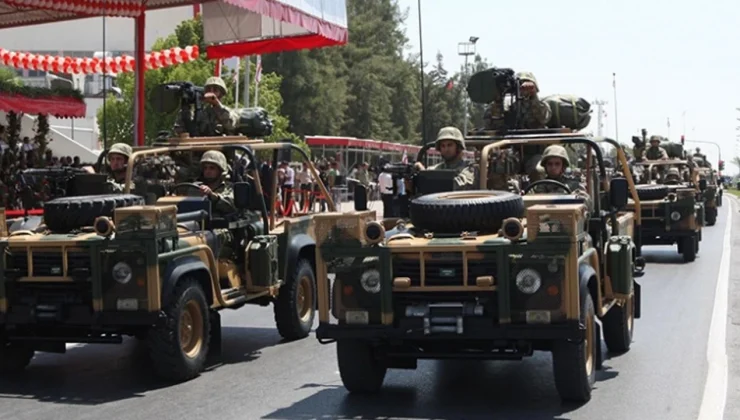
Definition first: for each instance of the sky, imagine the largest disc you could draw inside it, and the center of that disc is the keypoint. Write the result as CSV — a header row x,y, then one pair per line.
x,y
675,61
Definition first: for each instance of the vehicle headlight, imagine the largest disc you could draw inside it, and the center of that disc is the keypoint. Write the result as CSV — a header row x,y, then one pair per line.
x,y
122,272
528,281
675,216
370,281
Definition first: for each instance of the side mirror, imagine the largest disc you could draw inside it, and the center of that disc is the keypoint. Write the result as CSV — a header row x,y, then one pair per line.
x,y
618,193
360,196
702,184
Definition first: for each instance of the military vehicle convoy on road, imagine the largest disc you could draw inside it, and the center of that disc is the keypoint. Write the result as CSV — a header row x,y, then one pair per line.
x,y
97,267
485,274
671,206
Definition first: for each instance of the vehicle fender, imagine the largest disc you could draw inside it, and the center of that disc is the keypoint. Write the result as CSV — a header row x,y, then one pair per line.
x,y
585,274
181,267
299,246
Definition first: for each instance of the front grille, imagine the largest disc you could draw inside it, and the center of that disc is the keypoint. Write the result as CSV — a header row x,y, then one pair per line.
x,y
47,263
443,272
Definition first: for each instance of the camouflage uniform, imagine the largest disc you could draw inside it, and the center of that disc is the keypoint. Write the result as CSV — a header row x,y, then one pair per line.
x,y
655,152
532,112
213,116
222,200
466,178
115,184
575,186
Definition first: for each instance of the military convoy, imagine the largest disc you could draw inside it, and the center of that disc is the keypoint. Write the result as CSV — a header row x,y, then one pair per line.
x,y
98,267
485,274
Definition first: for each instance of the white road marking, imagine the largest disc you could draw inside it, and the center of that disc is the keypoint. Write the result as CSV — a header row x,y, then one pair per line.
x,y
715,389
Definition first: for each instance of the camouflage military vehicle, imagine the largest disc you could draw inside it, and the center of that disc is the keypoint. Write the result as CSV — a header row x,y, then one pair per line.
x,y
672,211
712,194
484,274
101,267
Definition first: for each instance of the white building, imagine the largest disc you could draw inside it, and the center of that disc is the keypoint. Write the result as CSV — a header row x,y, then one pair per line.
x,y
84,38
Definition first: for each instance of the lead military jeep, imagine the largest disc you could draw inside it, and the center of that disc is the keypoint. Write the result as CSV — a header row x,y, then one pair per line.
x,y
484,274
671,213
156,266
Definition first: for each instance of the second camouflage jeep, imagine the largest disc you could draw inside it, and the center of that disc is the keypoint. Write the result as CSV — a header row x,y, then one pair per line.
x,y
711,196
483,275
100,267
671,213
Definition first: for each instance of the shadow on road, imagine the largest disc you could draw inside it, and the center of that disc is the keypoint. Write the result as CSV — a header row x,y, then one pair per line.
x,y
447,390
98,374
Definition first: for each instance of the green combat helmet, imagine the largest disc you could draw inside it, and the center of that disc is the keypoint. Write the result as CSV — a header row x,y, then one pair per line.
x,y
450,133
528,76
655,139
218,82
217,158
121,149
555,151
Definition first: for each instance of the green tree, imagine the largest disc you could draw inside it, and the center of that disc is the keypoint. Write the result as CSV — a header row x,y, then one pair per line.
x,y
116,120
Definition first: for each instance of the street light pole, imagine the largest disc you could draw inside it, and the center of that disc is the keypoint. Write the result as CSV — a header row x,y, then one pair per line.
x,y
466,49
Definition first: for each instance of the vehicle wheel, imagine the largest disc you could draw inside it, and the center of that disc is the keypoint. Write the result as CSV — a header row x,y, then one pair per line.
x,y
179,346
689,249
14,357
460,211
619,325
574,364
711,216
360,369
651,191
294,308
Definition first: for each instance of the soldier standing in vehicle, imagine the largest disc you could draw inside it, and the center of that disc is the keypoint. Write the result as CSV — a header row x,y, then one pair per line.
x,y
555,161
216,119
118,156
451,145
655,152
532,112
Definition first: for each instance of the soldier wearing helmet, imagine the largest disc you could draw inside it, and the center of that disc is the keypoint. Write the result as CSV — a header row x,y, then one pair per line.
x,y
673,176
118,156
216,119
532,112
214,169
451,144
655,152
555,161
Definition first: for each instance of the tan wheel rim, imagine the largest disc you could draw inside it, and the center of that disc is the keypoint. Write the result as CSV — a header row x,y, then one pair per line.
x,y
630,308
191,329
589,343
462,196
304,298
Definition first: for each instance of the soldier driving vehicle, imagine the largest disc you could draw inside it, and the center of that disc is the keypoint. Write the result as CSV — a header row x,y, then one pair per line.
x,y
105,266
484,274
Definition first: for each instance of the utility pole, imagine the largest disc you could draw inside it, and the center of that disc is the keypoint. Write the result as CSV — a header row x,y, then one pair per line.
x,y
466,49
600,116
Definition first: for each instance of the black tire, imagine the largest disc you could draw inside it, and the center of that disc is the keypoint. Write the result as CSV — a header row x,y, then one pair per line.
x,y
619,326
689,249
573,379
171,358
461,211
69,213
295,307
362,372
651,191
14,358
711,215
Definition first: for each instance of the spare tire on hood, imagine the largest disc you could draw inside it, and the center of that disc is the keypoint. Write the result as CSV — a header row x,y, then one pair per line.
x,y
465,211
70,213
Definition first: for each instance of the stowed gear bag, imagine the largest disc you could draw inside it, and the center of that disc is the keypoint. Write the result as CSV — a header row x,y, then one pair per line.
x,y
568,111
253,122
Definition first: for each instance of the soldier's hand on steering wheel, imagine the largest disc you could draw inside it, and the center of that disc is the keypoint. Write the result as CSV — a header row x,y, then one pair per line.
x,y
211,98
206,190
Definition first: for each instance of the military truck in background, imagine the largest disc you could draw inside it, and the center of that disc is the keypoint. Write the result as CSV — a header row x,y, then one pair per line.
x,y
97,267
484,274
672,213
711,196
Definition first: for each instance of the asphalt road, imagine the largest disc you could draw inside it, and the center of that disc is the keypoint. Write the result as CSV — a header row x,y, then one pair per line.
x,y
662,377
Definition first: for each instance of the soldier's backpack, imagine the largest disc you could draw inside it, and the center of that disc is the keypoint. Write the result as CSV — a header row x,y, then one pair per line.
x,y
253,122
568,111
674,150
